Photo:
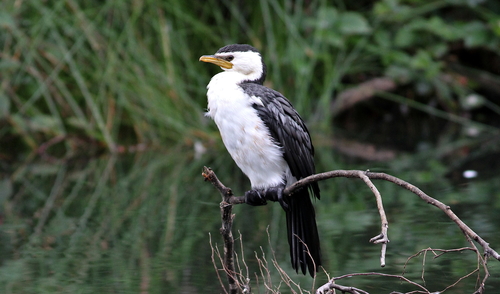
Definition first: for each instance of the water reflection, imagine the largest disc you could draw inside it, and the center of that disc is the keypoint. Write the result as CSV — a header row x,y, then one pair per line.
x,y
140,223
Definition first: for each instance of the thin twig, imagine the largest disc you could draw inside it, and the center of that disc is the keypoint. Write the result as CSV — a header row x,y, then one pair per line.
x,y
383,236
215,265
244,280
383,275
326,289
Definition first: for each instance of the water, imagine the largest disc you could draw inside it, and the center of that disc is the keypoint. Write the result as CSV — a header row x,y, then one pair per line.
x,y
143,224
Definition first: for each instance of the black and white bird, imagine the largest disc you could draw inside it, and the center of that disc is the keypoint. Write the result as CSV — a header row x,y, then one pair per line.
x,y
269,142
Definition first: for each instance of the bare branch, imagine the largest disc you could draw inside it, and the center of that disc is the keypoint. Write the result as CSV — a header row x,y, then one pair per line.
x,y
383,236
444,251
488,251
362,92
227,217
328,287
423,289
227,224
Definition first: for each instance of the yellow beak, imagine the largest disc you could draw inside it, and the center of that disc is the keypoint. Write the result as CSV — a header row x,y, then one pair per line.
x,y
217,61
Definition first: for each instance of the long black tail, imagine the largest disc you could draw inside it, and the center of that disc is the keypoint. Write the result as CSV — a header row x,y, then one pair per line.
x,y
303,233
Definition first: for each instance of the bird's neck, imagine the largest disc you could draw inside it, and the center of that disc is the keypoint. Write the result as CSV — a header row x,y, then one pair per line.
x,y
230,78
225,93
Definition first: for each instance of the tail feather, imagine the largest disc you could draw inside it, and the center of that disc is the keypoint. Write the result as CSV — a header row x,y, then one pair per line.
x,y
303,235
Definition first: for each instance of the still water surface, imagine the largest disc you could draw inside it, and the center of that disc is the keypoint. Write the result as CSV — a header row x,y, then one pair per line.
x,y
143,224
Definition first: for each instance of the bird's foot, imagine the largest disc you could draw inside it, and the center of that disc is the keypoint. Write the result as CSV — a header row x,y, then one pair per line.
x,y
260,197
253,197
276,194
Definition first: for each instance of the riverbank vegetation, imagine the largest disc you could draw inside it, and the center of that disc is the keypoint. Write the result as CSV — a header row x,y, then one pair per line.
x,y
102,133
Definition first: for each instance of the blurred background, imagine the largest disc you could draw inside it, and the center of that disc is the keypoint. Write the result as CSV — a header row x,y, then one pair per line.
x,y
103,138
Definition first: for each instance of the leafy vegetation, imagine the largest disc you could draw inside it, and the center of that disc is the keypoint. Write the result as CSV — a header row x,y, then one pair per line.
x,y
113,74
84,80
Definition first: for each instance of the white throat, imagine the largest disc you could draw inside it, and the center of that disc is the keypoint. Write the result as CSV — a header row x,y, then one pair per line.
x,y
247,64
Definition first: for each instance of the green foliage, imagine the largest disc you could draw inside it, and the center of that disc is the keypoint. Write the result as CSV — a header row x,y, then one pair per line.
x,y
85,77
119,73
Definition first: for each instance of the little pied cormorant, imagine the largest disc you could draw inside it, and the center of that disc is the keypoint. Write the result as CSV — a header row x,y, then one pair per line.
x,y
269,142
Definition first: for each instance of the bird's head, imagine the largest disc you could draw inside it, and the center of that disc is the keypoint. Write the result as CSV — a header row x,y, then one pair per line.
x,y
241,58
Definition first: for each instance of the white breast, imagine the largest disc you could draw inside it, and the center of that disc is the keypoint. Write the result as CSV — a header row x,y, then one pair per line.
x,y
244,134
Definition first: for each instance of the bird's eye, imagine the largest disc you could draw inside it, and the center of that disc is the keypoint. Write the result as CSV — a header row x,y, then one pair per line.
x,y
230,58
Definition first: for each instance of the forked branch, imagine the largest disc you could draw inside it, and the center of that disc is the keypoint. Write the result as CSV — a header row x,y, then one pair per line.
x,y
488,251
229,199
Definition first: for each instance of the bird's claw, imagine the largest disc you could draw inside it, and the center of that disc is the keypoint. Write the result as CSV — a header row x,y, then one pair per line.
x,y
281,200
259,197
254,198
276,194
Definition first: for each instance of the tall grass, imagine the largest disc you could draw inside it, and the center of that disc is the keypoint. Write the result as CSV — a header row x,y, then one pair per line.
x,y
115,73
83,75
128,73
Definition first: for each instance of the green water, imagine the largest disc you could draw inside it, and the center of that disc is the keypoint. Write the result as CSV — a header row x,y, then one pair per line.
x,y
142,224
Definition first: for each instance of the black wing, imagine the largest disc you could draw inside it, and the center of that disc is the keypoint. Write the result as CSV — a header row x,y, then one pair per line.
x,y
287,129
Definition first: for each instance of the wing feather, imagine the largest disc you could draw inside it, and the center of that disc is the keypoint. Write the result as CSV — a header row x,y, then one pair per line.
x,y
287,129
